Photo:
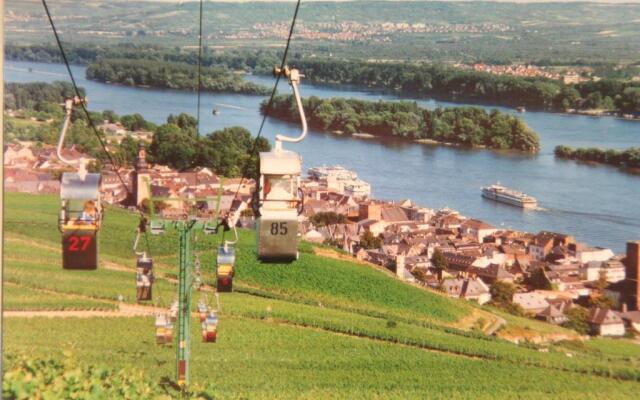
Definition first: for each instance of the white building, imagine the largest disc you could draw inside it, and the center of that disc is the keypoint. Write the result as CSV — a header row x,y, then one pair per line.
x,y
477,229
357,188
606,323
341,180
531,302
588,254
614,270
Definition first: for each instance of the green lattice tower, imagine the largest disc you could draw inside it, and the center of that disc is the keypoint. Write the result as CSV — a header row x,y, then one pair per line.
x,y
184,303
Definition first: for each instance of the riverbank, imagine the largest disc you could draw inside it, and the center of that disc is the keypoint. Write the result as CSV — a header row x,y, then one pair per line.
x,y
441,176
171,75
603,113
627,160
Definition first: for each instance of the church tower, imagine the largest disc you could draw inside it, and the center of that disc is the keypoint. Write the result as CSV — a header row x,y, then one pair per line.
x,y
141,178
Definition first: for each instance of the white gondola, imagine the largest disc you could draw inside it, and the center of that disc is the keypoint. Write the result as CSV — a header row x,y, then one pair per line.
x,y
156,227
279,198
210,229
173,311
80,210
164,329
144,278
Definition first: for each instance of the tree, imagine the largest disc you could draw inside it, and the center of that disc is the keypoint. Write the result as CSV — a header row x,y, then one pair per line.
x,y
127,151
110,116
368,241
578,319
231,152
134,122
538,280
502,293
439,262
328,218
602,282
173,147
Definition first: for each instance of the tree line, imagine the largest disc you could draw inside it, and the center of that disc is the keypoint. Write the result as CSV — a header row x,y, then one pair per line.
x,y
466,126
170,75
85,54
629,158
438,81
230,152
455,84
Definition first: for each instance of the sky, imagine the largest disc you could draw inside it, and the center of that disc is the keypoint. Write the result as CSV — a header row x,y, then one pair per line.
x,y
308,1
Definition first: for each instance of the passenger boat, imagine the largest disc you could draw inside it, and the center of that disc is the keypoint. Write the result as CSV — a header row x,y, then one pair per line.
x,y
509,196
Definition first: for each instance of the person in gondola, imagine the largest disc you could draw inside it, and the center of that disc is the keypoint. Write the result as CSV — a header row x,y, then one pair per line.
x,y
89,214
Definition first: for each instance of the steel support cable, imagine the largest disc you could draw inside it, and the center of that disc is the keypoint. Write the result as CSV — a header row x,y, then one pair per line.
x,y
199,70
269,103
86,112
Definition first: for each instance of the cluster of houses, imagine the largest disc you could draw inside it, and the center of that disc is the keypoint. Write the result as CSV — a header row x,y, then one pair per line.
x,y
406,236
29,168
477,254
569,77
352,30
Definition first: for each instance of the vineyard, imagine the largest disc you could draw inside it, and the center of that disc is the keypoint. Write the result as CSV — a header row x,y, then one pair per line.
x,y
320,328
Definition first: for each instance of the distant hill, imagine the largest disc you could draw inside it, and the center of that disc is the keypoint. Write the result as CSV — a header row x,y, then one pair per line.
x,y
454,31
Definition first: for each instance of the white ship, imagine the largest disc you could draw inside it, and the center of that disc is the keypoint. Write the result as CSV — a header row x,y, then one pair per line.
x,y
509,196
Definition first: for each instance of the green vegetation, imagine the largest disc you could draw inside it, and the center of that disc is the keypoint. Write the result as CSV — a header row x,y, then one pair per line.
x,y
578,320
175,143
317,328
85,54
466,126
368,241
170,75
38,96
229,152
439,262
24,298
455,84
629,158
51,378
328,218
550,33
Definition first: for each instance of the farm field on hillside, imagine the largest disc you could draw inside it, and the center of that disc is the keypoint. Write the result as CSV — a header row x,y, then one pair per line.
x,y
24,298
330,329
259,359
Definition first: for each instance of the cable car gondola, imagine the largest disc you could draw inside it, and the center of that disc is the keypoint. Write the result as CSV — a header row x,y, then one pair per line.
x,y
210,328
225,262
144,278
279,200
164,329
81,210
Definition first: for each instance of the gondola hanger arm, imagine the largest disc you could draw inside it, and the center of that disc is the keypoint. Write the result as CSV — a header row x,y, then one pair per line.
x,y
293,76
68,108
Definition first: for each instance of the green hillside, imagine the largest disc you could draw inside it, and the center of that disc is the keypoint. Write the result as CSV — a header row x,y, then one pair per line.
x,y
319,328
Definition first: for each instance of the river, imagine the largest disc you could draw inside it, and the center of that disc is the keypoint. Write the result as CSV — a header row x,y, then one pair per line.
x,y
597,204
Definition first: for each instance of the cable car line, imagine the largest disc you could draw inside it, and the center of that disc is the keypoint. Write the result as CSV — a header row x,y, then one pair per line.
x,y
77,92
269,104
199,74
89,119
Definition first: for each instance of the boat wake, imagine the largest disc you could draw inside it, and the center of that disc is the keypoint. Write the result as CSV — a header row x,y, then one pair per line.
x,y
34,71
615,219
230,106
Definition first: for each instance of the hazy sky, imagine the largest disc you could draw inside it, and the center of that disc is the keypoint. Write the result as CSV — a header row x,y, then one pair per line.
x,y
308,1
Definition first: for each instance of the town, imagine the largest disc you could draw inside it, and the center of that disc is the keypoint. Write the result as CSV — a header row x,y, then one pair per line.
x,y
547,276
